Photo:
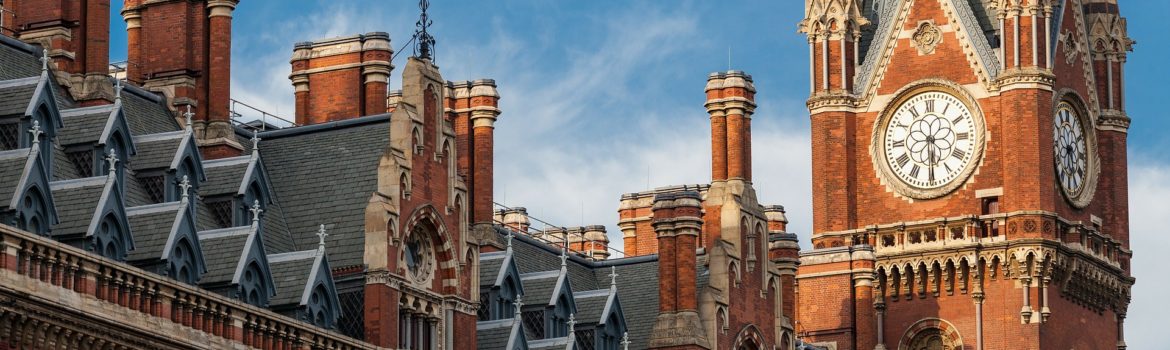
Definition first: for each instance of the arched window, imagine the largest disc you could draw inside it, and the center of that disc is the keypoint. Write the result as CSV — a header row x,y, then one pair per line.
x,y
560,318
319,310
181,262
611,334
504,299
253,286
930,339
33,212
107,240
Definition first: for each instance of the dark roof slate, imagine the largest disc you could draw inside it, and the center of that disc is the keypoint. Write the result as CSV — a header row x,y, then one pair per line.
x,y
63,168
87,126
325,174
12,165
222,253
489,268
18,63
494,335
290,276
156,151
224,176
145,114
590,306
14,100
76,202
151,226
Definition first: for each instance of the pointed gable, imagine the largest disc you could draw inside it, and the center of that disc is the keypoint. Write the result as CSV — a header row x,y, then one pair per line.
x,y
25,192
237,264
166,241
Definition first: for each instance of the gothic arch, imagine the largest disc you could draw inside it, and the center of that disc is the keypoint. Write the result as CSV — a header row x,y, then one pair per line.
x,y
445,256
749,338
931,334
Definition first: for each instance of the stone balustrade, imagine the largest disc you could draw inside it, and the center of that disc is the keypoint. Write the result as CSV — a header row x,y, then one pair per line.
x,y
130,298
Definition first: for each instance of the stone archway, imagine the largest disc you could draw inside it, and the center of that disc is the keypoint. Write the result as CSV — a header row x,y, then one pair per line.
x,y
931,334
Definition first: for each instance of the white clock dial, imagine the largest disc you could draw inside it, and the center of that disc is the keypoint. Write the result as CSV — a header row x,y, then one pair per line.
x,y
930,140
1072,163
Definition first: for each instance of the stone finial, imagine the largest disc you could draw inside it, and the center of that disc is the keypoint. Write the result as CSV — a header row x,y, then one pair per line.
x,y
518,304
45,60
256,211
187,116
112,160
509,241
36,133
255,142
118,90
564,257
625,341
321,239
184,186
613,275
572,326
424,42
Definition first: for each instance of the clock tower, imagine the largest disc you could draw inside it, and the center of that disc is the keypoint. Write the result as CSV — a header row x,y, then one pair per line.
x,y
970,186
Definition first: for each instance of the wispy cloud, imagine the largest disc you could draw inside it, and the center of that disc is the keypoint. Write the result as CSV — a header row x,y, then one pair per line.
x,y
1149,189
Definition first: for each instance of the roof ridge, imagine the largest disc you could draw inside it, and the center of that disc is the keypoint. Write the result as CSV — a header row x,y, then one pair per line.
x,y
309,129
153,208
77,183
141,92
225,232
19,81
158,136
15,153
493,324
540,275
237,160
290,256
17,44
90,110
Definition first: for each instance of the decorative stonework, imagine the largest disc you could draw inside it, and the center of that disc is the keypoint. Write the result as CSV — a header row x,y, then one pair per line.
x,y
926,37
930,334
1070,46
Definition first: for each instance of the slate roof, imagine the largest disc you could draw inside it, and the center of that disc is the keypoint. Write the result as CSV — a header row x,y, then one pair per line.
x,y
325,174
494,335
490,265
549,344
290,273
63,168
224,175
145,112
152,226
590,305
76,202
539,286
221,252
157,151
16,57
11,161
15,95
83,125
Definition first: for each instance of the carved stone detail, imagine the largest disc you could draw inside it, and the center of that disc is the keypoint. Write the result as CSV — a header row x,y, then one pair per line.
x,y
926,37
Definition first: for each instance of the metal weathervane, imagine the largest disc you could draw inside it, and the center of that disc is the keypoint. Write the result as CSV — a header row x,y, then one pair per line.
x,y
424,42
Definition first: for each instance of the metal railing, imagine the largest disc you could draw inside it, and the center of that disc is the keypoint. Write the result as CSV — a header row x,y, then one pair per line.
x,y
242,120
583,247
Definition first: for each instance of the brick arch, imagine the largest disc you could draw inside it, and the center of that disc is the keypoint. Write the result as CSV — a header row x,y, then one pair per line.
x,y
445,255
948,332
748,335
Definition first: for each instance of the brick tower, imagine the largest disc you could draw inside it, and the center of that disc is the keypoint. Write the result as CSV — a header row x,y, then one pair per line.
x,y
969,175
77,34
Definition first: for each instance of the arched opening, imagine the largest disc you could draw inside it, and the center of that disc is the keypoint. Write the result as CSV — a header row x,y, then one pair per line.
x,y
319,311
182,262
253,286
33,212
108,239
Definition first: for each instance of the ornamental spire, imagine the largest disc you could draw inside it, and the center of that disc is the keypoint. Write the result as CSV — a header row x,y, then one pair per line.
x,y
118,90
36,133
256,212
321,239
564,258
625,341
518,304
255,143
112,160
184,186
572,327
424,42
509,239
613,278
187,115
45,60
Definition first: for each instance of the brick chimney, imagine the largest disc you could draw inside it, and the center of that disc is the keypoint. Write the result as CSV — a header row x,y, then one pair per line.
x,y
678,222
634,219
784,251
473,106
596,243
77,34
731,100
341,78
515,218
182,49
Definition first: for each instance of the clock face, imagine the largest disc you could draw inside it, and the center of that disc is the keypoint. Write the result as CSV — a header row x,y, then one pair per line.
x,y
1072,162
930,141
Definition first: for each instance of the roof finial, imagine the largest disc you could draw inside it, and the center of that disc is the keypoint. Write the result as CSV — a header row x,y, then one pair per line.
x,y
118,90
184,187
187,115
45,60
424,42
321,238
564,259
256,211
255,142
112,159
613,278
572,327
518,304
509,239
36,133
625,340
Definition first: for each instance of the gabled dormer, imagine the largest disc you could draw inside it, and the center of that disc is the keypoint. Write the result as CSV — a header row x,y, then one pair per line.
x,y
233,186
28,101
305,288
164,159
500,285
548,303
601,323
501,334
108,233
167,242
26,199
237,265
90,134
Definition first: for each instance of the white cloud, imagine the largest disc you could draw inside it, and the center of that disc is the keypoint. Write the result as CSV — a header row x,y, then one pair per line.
x,y
1149,191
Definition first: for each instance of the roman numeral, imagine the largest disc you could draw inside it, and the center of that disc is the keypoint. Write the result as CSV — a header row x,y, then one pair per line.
x,y
948,167
913,111
958,119
903,159
945,107
899,143
958,153
929,106
961,136
914,171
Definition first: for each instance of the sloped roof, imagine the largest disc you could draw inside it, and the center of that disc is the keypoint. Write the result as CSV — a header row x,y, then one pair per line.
x,y
497,334
84,124
325,174
157,150
152,226
490,265
145,112
15,95
290,273
16,57
13,162
76,201
222,250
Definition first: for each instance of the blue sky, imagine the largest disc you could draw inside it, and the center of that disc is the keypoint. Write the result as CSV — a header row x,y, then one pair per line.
x,y
600,98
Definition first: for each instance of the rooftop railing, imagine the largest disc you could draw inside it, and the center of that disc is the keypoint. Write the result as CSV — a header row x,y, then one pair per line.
x,y
573,239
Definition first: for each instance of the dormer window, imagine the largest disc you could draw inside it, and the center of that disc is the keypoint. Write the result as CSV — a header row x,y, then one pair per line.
x,y
9,136
155,188
82,160
221,211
